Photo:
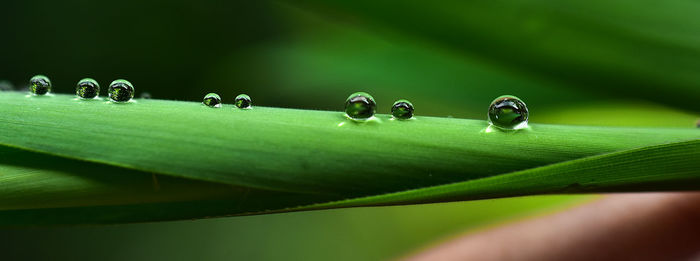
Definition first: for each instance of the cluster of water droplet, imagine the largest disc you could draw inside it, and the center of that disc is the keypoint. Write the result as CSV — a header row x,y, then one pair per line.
x,y
506,112
360,106
119,90
241,101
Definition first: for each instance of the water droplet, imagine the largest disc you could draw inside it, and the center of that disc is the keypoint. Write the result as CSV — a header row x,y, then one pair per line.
x,y
360,106
402,110
121,91
697,124
145,95
6,86
87,88
243,101
212,100
508,112
39,85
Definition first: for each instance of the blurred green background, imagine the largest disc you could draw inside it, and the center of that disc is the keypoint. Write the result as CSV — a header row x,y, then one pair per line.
x,y
620,63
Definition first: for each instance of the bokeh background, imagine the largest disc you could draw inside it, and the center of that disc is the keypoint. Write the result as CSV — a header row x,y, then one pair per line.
x,y
617,63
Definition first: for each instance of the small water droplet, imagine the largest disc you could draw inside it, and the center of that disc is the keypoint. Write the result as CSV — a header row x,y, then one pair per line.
x,y
243,101
508,112
121,91
697,124
402,110
87,88
39,85
6,86
360,106
212,100
145,95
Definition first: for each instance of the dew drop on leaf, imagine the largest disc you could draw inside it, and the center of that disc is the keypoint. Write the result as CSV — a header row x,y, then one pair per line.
x,y
212,100
402,110
87,88
243,101
145,95
360,106
39,85
121,91
508,112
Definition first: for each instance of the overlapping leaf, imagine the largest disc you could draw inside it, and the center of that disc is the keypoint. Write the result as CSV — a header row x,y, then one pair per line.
x,y
160,160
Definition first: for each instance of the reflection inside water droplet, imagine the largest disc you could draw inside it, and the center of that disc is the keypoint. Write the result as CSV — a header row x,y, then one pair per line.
x,y
121,91
87,88
508,112
39,85
402,110
212,100
360,106
243,101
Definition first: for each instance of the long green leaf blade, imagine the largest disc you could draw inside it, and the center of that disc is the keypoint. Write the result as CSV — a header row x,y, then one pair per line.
x,y
298,150
214,162
655,168
672,166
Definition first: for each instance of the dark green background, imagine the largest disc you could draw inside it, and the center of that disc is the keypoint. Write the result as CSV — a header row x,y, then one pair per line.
x,y
596,62
449,58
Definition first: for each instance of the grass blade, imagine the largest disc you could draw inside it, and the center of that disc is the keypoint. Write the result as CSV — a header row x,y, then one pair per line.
x,y
655,168
214,162
572,43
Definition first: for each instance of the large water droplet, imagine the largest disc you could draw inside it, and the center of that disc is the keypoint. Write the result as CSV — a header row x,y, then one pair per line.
x,y
6,86
87,88
39,85
212,100
360,106
121,91
508,112
243,101
402,110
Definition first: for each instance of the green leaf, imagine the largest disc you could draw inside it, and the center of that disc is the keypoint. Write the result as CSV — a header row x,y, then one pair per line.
x,y
621,48
329,58
227,161
655,168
